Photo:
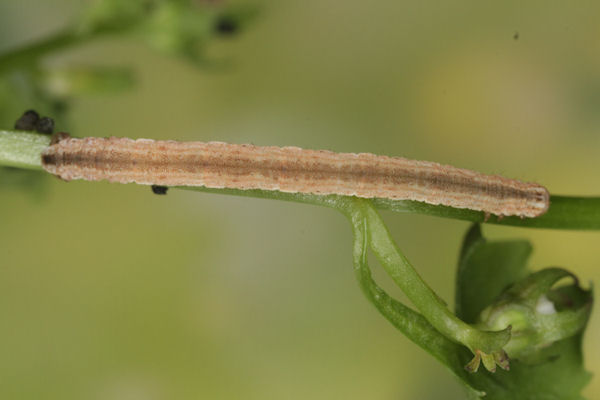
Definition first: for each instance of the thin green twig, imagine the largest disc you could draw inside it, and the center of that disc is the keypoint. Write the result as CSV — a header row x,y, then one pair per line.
x,y
22,149
32,53
412,324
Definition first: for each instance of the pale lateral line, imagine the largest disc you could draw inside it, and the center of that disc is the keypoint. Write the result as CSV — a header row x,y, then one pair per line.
x,y
292,170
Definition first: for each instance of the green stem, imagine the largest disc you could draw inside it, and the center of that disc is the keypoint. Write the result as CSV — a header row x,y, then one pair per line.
x,y
420,294
565,212
409,322
22,149
34,52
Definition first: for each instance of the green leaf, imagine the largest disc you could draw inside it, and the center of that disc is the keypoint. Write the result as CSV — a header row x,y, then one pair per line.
x,y
485,270
538,314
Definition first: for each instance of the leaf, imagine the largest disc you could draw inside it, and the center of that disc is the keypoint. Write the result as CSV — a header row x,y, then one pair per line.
x,y
485,270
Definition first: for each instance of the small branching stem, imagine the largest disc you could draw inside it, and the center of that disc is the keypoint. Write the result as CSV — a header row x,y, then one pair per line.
x,y
369,229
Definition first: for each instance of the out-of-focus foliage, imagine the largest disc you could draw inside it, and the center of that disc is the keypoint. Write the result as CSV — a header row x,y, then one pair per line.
x,y
179,28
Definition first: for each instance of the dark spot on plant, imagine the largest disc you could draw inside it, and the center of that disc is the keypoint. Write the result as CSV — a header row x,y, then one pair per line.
x,y
31,121
45,125
157,189
27,121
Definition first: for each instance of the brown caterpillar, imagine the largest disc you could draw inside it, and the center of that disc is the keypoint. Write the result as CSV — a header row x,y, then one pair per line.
x,y
289,169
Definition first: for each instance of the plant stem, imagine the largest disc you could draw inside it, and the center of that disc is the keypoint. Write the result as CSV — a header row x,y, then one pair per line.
x,y
412,324
22,149
34,52
371,232
420,294
565,212
37,50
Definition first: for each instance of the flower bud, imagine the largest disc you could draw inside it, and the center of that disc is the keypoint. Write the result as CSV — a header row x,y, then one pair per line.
x,y
538,313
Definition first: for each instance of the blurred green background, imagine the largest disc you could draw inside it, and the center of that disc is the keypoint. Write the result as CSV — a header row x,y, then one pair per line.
x,y
110,292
